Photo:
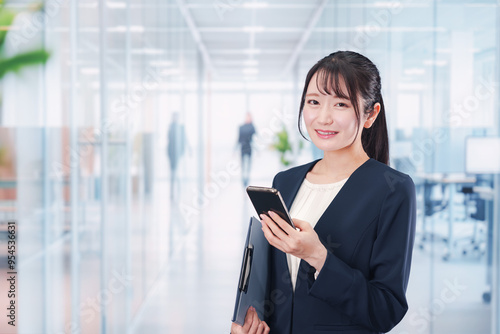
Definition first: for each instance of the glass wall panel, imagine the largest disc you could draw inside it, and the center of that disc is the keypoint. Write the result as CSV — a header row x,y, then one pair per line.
x,y
438,86
112,82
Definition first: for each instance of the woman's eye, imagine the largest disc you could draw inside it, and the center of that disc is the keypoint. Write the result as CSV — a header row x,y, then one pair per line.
x,y
341,104
313,102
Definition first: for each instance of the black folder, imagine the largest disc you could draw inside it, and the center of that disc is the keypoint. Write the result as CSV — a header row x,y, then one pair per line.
x,y
253,285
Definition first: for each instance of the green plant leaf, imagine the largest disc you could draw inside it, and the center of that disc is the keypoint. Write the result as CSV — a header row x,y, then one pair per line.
x,y
282,144
15,63
6,19
284,161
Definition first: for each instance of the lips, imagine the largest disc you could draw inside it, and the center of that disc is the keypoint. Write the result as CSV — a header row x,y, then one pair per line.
x,y
326,134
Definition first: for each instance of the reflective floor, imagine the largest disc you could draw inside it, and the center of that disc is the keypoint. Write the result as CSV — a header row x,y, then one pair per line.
x,y
195,292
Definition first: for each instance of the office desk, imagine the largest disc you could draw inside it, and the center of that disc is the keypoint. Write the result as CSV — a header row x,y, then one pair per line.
x,y
450,181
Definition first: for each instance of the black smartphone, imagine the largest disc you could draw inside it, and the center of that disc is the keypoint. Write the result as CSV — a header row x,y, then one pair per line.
x,y
266,199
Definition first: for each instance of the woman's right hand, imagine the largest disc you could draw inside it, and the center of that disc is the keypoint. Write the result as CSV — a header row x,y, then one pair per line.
x,y
252,324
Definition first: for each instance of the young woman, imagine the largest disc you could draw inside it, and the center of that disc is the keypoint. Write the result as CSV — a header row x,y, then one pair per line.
x,y
345,268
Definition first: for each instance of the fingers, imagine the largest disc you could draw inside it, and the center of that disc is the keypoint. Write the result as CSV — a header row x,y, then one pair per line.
x,y
258,327
236,329
252,324
274,237
249,319
262,328
266,327
254,329
302,225
280,222
278,226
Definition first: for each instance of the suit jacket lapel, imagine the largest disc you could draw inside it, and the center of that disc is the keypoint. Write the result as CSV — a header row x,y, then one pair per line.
x,y
344,193
289,191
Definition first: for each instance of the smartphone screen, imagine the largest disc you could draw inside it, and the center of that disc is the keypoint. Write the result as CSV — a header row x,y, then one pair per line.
x,y
266,199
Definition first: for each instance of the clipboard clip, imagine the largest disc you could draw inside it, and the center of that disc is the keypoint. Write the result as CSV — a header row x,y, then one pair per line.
x,y
245,269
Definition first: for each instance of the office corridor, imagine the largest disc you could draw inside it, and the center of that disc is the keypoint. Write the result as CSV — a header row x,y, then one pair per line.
x,y
121,136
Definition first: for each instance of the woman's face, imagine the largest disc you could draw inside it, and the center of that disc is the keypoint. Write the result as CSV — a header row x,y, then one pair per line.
x,y
331,120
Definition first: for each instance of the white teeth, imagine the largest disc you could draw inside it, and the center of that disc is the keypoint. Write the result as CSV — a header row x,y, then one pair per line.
x,y
326,133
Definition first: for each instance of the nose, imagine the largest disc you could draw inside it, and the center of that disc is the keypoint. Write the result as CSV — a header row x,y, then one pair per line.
x,y
325,116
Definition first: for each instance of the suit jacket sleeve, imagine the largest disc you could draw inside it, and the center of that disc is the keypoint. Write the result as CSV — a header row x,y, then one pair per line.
x,y
377,302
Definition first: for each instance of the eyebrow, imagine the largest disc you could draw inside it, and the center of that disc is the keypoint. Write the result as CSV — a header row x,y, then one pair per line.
x,y
335,96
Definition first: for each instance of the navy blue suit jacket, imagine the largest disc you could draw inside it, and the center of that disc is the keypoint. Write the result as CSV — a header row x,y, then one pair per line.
x,y
368,230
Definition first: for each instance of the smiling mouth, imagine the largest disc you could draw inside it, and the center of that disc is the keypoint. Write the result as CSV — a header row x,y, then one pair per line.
x,y
326,133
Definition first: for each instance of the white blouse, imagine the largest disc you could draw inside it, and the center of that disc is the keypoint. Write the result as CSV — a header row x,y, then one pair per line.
x,y
309,204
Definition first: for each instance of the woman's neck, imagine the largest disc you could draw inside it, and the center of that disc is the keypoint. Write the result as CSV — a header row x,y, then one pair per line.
x,y
336,166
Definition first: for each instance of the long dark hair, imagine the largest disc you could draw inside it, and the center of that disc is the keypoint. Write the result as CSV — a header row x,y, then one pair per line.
x,y
362,79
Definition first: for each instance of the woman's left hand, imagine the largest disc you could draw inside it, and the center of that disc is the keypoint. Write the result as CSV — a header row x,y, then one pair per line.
x,y
303,243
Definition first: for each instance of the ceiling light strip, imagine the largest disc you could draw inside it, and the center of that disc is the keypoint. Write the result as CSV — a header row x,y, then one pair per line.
x,y
196,35
305,36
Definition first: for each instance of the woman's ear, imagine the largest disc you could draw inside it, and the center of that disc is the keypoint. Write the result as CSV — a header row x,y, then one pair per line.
x,y
373,116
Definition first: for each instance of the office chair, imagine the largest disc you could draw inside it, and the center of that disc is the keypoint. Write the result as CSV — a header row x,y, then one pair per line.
x,y
432,205
474,241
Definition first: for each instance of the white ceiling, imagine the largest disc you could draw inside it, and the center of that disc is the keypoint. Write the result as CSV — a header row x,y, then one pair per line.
x,y
265,39
250,39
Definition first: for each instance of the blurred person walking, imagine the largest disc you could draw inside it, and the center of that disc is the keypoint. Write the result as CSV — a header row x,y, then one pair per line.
x,y
246,132
176,146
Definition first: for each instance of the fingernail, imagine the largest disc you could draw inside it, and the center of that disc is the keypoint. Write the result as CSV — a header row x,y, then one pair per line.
x,y
261,216
270,212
